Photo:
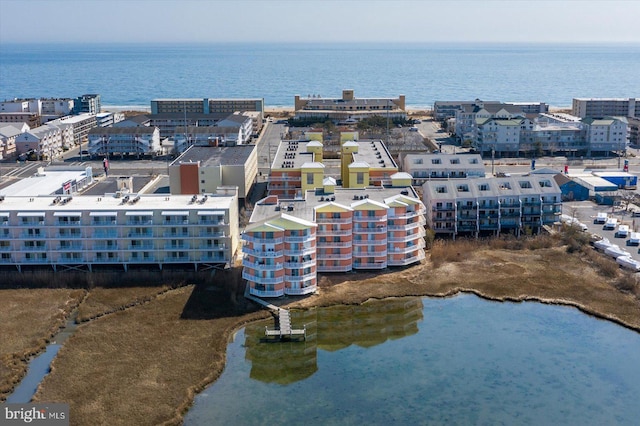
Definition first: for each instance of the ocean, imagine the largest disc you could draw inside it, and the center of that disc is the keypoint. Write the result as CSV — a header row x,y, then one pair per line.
x,y
130,75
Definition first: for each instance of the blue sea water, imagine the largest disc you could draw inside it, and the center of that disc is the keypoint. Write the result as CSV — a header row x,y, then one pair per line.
x,y
463,361
133,74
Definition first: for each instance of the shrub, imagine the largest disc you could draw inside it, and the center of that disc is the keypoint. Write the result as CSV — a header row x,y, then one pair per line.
x,y
627,283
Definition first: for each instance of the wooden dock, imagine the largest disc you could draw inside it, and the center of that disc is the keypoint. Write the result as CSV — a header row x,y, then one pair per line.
x,y
284,330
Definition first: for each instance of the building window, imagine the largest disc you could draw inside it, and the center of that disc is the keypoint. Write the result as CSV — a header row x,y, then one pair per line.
x,y
309,178
359,178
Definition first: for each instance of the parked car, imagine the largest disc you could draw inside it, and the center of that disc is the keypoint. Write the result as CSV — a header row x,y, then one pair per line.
x,y
413,129
634,239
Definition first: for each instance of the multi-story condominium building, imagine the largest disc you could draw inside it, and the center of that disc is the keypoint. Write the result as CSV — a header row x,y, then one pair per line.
x,y
108,119
206,106
81,125
423,167
550,134
168,122
8,134
491,205
331,230
87,104
206,136
242,122
602,107
349,109
468,117
45,141
634,131
202,169
119,230
213,107
139,141
606,134
48,108
297,166
32,119
443,110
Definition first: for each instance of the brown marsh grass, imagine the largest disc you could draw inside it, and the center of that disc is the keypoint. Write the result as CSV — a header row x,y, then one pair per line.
x,y
143,365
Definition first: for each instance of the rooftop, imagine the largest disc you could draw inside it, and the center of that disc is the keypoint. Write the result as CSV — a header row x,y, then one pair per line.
x,y
212,156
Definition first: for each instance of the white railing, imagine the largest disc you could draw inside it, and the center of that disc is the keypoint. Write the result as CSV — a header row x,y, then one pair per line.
x,y
301,291
374,265
334,244
331,232
332,268
370,219
332,256
306,264
262,265
377,230
266,293
326,220
303,239
369,242
300,278
379,253
300,251
262,253
260,240
262,280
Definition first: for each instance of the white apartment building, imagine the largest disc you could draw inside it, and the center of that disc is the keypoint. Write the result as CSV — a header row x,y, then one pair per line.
x,y
491,205
607,134
45,142
206,136
81,125
139,141
423,167
119,230
469,116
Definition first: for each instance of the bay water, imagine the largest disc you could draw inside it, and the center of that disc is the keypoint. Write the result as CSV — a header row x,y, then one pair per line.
x,y
461,360
130,75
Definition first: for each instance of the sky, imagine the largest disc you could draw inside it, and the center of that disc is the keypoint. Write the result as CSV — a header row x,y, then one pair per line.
x,y
207,21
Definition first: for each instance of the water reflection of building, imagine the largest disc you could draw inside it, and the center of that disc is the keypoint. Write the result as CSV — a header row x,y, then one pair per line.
x,y
331,329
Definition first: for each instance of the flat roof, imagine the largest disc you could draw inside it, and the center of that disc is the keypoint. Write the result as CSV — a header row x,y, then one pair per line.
x,y
211,156
109,203
45,184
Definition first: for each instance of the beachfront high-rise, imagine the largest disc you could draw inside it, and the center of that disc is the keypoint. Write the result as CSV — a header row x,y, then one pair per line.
x,y
348,108
601,107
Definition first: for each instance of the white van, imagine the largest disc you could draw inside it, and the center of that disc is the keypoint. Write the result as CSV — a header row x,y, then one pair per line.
x,y
601,218
634,239
610,224
623,231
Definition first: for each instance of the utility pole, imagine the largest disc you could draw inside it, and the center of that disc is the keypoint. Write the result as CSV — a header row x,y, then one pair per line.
x,y
493,157
387,122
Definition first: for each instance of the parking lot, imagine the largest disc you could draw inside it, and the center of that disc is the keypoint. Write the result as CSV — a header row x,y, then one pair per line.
x,y
586,212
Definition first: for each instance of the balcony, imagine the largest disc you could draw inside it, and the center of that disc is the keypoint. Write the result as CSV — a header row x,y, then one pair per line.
x,y
333,256
407,260
144,246
262,266
376,230
140,234
404,238
300,278
266,293
324,220
211,222
301,291
261,280
105,233
300,239
300,265
28,236
300,251
370,219
172,234
326,244
331,232
261,240
177,247
443,208
378,253
69,247
332,268
262,253
369,265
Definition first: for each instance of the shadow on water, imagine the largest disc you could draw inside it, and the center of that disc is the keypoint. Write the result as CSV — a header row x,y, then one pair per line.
x,y
329,329
40,365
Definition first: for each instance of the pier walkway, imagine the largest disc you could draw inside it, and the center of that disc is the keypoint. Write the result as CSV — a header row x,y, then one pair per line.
x,y
284,330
